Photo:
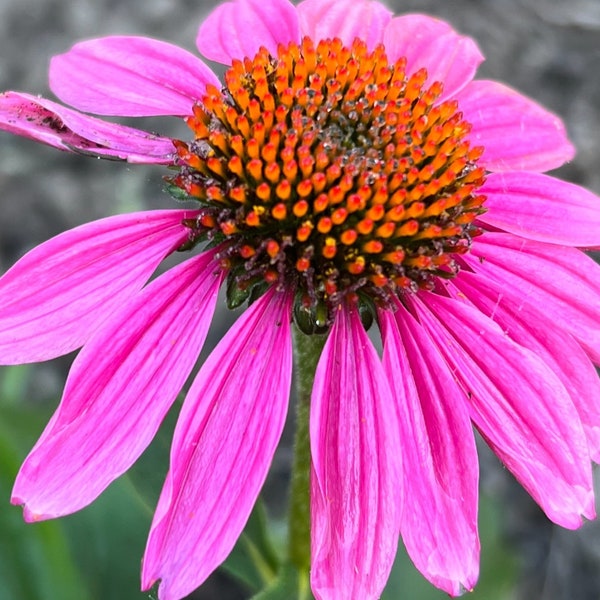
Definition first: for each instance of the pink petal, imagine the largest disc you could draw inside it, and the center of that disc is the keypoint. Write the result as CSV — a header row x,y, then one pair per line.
x,y
120,387
439,522
235,30
432,44
130,76
344,19
58,294
530,328
225,438
517,133
50,123
563,283
542,208
520,407
355,479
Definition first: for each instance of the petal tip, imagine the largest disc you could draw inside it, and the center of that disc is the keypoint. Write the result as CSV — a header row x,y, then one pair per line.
x,y
29,515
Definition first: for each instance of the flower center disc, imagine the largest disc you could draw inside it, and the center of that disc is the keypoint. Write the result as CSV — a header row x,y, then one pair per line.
x,y
329,170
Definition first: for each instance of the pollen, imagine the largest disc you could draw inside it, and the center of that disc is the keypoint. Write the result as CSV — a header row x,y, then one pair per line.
x,y
330,170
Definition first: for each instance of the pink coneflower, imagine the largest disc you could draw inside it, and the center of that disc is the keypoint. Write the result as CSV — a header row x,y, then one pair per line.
x,y
348,170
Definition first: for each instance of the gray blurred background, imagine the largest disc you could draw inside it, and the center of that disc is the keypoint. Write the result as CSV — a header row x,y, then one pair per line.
x,y
548,49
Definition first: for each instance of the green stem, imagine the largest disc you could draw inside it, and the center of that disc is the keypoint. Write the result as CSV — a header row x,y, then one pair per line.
x,y
307,350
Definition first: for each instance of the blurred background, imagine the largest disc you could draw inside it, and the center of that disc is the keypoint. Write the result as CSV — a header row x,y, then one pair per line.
x,y
548,49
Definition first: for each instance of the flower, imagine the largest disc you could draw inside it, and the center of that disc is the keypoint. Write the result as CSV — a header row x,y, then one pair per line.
x,y
348,170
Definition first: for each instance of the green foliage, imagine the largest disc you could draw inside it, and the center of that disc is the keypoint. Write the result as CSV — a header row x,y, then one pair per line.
x,y
290,584
35,561
254,560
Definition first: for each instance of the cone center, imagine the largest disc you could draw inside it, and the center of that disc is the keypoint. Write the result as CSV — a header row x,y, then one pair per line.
x,y
331,170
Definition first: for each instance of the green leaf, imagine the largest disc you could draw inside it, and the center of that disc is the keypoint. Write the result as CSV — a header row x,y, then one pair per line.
x,y
35,560
107,540
178,193
254,560
13,382
289,585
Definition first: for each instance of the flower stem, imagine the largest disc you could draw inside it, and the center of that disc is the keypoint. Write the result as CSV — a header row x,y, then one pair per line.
x,y
307,350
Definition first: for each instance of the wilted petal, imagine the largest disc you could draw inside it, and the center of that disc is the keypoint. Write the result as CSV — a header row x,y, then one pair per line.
x,y
432,44
120,387
439,458
542,208
356,456
130,76
58,294
344,19
520,407
60,127
562,283
528,327
517,133
225,438
235,30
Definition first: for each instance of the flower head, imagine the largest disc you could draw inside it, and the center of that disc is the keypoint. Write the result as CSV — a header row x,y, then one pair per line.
x,y
349,170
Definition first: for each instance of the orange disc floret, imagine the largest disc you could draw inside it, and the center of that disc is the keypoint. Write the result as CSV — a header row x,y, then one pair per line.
x,y
300,208
279,211
272,248
329,248
348,237
302,264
